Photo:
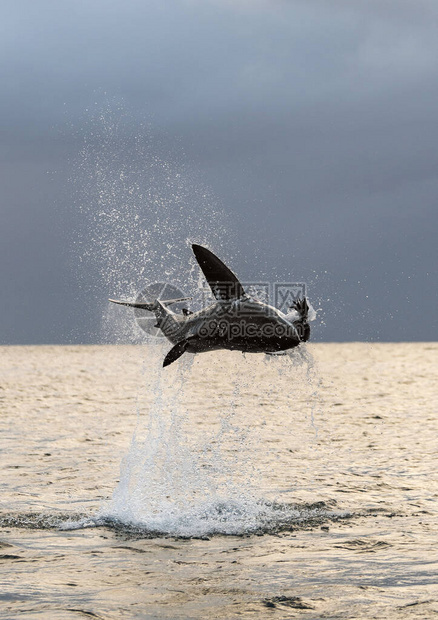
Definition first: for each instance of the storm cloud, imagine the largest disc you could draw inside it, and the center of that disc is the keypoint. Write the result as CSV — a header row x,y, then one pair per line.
x,y
311,125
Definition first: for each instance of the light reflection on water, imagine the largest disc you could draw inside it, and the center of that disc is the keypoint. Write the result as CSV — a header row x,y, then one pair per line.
x,y
338,472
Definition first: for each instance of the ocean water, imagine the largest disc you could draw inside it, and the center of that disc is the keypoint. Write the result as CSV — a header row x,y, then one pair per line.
x,y
225,486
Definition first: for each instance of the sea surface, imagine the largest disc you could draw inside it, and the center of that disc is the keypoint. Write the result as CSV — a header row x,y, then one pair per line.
x,y
224,486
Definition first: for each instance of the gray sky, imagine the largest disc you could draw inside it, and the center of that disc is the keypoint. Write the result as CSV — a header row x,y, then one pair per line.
x,y
298,139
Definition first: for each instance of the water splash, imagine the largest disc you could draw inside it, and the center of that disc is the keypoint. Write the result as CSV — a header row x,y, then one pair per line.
x,y
174,478
141,203
192,472
181,477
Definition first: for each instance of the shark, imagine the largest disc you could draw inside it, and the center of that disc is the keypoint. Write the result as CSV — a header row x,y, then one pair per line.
x,y
235,321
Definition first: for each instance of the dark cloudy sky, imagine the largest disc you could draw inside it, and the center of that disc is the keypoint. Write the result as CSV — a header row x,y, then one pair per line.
x,y
299,139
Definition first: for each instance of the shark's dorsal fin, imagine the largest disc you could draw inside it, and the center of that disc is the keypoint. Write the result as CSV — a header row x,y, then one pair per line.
x,y
221,279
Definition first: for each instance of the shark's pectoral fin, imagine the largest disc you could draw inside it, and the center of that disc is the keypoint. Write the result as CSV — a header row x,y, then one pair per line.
x,y
176,352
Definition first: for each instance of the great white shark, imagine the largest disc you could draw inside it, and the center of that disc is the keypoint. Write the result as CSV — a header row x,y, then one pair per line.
x,y
235,321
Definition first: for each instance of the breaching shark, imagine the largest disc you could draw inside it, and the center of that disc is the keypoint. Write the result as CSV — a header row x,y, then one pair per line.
x,y
236,321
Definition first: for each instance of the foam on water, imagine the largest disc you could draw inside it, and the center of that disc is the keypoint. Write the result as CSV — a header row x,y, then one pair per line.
x,y
238,517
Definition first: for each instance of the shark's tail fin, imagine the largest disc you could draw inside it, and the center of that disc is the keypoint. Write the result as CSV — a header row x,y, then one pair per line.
x,y
151,306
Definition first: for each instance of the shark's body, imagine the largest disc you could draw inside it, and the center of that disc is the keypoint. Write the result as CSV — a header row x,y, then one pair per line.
x,y
235,321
